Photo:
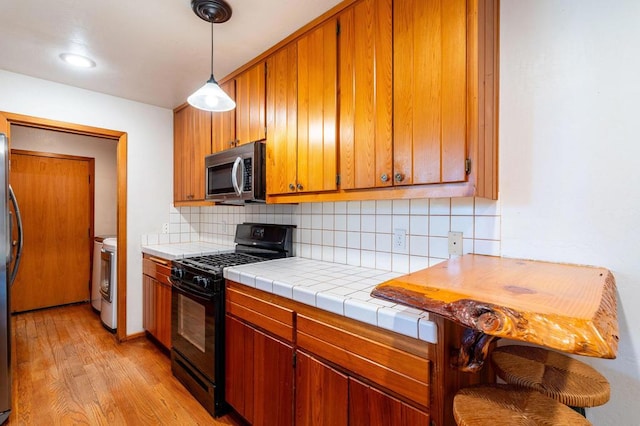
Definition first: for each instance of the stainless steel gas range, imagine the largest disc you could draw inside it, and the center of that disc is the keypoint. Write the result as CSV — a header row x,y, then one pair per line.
x,y
198,309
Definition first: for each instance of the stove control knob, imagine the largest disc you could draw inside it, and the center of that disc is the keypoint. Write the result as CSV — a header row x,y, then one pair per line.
x,y
177,272
206,282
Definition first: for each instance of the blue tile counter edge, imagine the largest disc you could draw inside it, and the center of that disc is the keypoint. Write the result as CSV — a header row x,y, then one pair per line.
x,y
182,250
337,288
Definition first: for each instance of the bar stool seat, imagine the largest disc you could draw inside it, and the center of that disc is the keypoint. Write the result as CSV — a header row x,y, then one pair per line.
x,y
502,405
565,379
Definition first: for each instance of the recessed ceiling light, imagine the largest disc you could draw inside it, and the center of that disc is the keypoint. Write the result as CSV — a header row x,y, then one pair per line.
x,y
77,60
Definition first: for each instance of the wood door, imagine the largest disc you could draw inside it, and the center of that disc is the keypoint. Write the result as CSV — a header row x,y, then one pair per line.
x,y
55,193
239,373
282,120
430,90
223,124
318,109
369,406
149,322
163,314
273,381
251,104
321,393
192,142
366,82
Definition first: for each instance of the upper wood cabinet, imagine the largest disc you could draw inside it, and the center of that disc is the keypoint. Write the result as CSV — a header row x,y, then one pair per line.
x,y
282,120
431,72
251,104
191,143
317,109
302,114
366,83
223,124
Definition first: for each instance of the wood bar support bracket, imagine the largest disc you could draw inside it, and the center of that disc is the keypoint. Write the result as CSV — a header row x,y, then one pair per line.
x,y
473,351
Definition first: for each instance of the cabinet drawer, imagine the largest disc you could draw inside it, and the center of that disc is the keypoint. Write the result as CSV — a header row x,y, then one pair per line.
x,y
268,316
157,268
398,371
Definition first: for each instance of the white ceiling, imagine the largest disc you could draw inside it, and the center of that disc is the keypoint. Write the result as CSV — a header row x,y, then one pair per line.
x,y
156,52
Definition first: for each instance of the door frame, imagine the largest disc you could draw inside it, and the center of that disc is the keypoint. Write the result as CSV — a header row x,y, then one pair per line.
x,y
7,118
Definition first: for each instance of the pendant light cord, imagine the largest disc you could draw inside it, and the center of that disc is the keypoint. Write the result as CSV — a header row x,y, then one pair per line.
x,y
212,48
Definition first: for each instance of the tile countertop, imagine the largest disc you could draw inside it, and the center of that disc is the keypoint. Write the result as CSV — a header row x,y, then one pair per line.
x,y
181,250
341,289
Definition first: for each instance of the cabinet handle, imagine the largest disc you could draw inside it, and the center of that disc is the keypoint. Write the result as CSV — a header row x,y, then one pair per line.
x,y
299,186
384,177
292,187
232,143
399,177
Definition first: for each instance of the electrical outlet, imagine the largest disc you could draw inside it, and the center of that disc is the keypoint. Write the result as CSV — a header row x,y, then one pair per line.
x,y
400,239
455,243
165,228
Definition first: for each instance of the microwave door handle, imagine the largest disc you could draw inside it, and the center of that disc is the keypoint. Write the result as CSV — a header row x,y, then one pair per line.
x,y
234,175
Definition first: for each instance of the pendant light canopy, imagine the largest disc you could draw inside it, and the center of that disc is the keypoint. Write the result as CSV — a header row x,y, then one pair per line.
x,y
211,97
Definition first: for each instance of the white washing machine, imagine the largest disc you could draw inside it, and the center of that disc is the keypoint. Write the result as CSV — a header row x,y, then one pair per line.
x,y
109,284
96,297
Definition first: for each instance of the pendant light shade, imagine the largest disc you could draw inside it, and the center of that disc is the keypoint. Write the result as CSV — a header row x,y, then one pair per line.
x,y
211,97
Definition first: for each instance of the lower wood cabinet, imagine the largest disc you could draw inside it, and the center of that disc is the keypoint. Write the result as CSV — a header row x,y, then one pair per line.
x,y
259,375
322,393
156,299
369,406
345,372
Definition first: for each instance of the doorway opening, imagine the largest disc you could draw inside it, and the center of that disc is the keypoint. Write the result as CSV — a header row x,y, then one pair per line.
x,y
7,120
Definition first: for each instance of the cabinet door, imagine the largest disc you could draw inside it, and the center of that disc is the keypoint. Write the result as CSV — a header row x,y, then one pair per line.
x,y
366,146
369,406
251,104
163,314
430,96
321,393
223,124
192,142
239,372
317,109
259,375
282,120
149,304
272,381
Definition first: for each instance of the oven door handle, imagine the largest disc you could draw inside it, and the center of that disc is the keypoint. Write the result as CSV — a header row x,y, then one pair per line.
x,y
189,291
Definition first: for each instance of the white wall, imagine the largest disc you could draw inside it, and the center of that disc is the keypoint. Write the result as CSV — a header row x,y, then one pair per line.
x,y
104,153
569,156
149,156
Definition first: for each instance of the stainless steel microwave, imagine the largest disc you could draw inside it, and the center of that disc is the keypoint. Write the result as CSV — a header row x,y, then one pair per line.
x,y
236,175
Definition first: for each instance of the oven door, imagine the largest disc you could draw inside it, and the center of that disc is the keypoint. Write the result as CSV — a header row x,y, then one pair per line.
x,y
196,324
106,259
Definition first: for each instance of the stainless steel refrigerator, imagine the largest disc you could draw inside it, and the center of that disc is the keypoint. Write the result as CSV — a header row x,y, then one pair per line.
x,y
10,251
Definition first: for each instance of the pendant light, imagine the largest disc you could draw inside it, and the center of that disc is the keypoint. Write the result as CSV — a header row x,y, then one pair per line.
x,y
211,97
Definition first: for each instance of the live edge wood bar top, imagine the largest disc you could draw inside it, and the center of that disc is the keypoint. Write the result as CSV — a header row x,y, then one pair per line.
x,y
570,308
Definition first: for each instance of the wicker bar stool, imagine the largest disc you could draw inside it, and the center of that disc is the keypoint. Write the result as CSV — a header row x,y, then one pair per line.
x,y
507,405
558,376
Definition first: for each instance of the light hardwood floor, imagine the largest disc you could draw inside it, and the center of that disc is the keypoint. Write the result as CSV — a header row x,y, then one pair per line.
x,y
69,370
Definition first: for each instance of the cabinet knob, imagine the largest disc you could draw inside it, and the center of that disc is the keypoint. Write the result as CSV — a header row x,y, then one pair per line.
x,y
399,177
292,187
384,177
299,186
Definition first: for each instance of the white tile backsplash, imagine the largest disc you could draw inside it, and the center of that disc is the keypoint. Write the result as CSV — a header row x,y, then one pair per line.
x,y
358,233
